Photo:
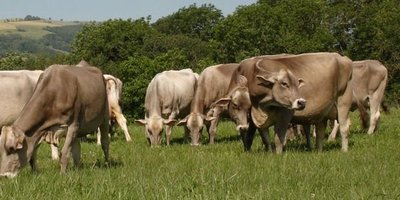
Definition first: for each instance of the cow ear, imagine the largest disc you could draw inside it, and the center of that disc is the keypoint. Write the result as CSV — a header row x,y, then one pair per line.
x,y
301,82
13,139
169,122
141,122
241,81
209,118
183,121
267,82
223,102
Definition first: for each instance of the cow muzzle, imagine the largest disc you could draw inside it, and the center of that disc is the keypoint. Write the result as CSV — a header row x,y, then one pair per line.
x,y
9,175
242,128
299,104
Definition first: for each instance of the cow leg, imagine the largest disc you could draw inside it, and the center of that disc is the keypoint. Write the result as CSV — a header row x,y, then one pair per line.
x,y
32,161
307,133
334,131
105,140
374,104
168,128
280,129
264,133
344,105
54,152
70,137
248,137
212,130
121,120
320,133
98,137
76,151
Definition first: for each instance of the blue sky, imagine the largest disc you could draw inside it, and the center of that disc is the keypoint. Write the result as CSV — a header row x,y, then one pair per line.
x,y
99,10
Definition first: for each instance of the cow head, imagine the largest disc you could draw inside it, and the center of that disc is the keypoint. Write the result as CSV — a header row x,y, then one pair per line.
x,y
238,103
282,88
194,122
154,127
13,152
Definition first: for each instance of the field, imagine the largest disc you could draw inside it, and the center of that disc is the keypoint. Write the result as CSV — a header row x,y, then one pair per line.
x,y
370,170
30,29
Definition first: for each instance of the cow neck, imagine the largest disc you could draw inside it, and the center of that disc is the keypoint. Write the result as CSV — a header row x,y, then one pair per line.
x,y
197,105
31,118
154,107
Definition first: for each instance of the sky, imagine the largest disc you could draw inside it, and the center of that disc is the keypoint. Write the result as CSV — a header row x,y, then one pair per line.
x,y
100,10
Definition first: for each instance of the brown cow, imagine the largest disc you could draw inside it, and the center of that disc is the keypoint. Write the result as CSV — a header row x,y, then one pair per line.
x,y
65,97
368,84
326,77
214,94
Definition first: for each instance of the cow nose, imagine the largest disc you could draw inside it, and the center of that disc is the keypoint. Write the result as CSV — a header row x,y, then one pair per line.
x,y
299,104
242,128
194,144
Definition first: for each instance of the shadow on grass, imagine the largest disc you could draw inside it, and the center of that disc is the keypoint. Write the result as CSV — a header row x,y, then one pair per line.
x,y
101,164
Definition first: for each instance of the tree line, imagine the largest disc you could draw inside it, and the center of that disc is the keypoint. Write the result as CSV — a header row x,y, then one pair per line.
x,y
196,37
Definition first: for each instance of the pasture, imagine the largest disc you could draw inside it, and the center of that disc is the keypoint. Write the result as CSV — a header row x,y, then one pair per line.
x,y
370,170
30,29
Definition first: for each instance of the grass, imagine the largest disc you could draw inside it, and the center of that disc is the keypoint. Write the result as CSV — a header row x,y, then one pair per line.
x,y
370,170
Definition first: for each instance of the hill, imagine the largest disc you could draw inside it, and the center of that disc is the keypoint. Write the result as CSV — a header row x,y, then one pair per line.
x,y
36,36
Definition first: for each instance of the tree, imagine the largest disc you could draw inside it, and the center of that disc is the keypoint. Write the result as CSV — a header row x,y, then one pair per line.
x,y
192,21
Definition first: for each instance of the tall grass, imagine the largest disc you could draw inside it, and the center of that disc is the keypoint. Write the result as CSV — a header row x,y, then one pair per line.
x,y
370,170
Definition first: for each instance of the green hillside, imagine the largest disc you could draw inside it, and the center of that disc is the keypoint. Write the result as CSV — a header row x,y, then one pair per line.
x,y
36,36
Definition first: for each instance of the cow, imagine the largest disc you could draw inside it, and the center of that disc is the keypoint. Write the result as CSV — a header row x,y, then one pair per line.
x,y
114,92
218,90
168,96
66,98
368,84
281,85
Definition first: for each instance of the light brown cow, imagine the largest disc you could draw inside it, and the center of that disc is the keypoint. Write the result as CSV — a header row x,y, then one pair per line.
x,y
214,94
168,96
16,89
368,84
326,77
65,97
114,92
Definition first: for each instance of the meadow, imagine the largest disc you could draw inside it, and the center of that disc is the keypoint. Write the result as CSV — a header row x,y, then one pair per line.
x,y
370,170
30,29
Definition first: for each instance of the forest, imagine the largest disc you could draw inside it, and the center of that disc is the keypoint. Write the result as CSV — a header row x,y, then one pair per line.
x,y
198,36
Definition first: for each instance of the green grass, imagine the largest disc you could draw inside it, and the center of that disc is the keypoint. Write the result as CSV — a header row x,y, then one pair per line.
x,y
370,170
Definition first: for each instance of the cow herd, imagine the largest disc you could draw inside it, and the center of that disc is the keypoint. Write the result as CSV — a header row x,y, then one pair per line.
x,y
257,93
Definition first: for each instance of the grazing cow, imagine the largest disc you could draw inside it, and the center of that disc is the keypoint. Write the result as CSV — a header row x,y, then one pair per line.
x,y
71,99
168,95
368,84
278,96
218,90
114,92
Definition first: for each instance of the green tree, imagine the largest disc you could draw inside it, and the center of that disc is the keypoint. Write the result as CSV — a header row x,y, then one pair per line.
x,y
192,21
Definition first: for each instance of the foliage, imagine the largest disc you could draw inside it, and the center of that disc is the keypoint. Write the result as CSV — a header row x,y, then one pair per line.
x,y
61,37
199,36
192,21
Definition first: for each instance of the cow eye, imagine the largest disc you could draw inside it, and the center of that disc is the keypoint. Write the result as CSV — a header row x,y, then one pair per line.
x,y
234,105
284,84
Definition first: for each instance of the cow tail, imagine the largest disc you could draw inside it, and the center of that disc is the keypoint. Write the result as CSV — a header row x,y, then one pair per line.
x,y
385,108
